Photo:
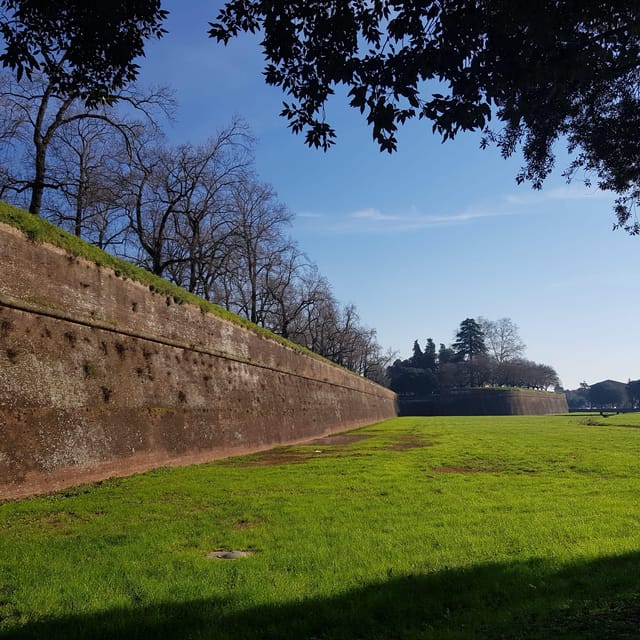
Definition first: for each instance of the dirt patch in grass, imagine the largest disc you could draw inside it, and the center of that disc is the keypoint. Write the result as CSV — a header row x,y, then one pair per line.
x,y
594,422
247,524
407,441
409,444
275,457
332,445
339,439
272,457
298,455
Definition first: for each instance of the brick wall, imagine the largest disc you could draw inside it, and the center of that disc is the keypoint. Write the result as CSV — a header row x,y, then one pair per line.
x,y
486,402
100,377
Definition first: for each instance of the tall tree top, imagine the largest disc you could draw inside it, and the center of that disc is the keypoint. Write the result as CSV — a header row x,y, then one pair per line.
x,y
502,339
417,357
469,340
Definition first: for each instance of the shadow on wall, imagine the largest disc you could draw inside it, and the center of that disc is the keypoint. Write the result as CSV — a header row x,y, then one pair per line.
x,y
525,600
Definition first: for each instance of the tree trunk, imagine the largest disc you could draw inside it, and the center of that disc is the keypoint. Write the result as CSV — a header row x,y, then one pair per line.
x,y
80,200
37,188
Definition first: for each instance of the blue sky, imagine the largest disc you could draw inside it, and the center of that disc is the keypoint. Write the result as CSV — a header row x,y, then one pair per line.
x,y
426,237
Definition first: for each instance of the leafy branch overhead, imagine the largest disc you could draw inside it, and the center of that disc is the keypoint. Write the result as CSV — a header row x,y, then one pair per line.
x,y
87,49
543,70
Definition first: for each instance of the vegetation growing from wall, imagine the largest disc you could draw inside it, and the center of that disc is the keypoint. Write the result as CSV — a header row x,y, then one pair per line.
x,y
197,215
38,229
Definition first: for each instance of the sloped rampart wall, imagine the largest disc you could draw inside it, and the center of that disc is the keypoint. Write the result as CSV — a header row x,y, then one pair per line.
x,y
101,377
486,402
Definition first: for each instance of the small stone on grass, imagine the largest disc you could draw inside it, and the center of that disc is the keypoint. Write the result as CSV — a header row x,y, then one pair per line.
x,y
229,555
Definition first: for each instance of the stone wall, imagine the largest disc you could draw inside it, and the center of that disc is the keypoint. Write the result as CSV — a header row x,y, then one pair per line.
x,y
486,402
101,377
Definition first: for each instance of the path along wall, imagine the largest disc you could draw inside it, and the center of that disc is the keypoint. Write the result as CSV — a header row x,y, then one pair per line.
x,y
100,377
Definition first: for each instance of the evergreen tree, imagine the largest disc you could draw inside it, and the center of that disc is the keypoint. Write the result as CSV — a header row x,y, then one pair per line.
x,y
445,355
430,356
417,359
469,340
417,375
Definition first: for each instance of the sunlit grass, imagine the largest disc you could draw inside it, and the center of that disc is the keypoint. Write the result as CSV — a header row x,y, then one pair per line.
x,y
509,527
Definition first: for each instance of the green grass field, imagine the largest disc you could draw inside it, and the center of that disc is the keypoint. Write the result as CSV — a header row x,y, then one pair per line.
x,y
439,528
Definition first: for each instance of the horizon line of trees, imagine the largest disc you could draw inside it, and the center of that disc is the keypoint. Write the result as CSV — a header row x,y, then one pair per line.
x,y
197,215
605,395
484,353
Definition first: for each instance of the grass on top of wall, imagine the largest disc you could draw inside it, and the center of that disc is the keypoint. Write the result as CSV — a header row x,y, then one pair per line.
x,y
478,528
39,230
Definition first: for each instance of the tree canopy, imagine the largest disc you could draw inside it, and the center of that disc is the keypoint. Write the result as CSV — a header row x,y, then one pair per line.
x,y
608,394
85,49
75,53
469,340
544,70
466,363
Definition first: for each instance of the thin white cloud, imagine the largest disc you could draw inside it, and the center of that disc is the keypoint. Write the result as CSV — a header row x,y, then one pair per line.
x,y
568,192
372,220
374,214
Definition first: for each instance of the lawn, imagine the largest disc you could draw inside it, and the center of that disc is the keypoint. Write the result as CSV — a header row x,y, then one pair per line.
x,y
431,528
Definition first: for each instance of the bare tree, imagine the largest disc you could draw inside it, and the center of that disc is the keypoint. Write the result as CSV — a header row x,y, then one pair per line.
x,y
367,357
293,285
307,328
315,327
332,331
181,207
502,339
87,156
344,346
14,136
151,193
40,112
205,217
259,243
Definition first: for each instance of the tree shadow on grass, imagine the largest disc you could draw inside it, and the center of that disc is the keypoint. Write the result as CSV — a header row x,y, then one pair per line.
x,y
599,599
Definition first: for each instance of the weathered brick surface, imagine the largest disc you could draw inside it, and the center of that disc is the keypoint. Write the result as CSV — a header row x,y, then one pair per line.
x,y
100,377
